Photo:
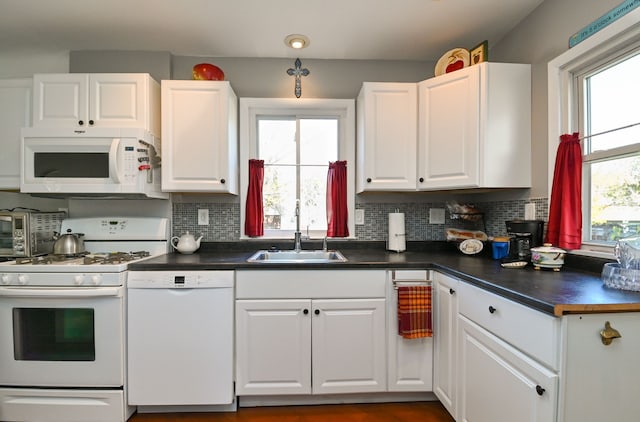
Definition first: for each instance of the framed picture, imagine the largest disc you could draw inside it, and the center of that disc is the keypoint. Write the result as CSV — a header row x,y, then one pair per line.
x,y
478,54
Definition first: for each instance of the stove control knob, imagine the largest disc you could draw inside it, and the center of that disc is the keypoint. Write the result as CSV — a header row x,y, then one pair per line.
x,y
22,279
78,279
6,279
96,279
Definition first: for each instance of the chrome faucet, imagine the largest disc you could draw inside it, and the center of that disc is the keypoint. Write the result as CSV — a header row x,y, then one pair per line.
x,y
298,235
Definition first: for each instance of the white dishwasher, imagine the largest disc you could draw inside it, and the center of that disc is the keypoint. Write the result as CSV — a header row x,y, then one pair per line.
x,y
180,338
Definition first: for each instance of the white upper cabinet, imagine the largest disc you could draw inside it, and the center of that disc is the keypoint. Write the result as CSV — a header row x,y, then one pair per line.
x,y
474,128
467,129
386,137
15,113
200,137
81,101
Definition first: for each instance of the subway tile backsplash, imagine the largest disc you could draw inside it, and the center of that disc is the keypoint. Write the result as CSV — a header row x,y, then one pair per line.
x,y
224,219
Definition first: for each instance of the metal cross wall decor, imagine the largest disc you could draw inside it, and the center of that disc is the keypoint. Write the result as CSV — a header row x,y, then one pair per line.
x,y
298,72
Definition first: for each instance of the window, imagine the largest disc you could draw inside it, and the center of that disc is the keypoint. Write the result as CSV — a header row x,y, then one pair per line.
x,y
296,139
609,119
594,90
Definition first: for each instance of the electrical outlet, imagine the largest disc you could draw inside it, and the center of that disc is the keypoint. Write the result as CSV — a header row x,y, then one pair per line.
x,y
436,215
360,216
203,217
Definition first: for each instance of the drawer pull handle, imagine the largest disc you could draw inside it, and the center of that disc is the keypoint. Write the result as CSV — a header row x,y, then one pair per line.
x,y
491,309
608,334
451,291
540,390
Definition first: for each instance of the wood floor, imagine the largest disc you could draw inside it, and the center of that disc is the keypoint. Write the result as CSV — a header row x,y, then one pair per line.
x,y
382,412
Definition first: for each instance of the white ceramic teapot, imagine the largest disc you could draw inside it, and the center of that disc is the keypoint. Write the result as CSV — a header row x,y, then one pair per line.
x,y
186,243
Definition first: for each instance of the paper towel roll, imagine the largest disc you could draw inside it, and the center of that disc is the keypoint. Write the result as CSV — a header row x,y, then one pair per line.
x,y
397,236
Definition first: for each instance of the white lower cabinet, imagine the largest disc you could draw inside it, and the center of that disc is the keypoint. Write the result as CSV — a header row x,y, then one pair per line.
x,y
600,381
410,361
494,359
500,384
315,343
445,304
273,347
278,354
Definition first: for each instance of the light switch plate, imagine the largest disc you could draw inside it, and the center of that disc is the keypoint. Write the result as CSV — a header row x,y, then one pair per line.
x,y
360,216
203,217
436,215
530,211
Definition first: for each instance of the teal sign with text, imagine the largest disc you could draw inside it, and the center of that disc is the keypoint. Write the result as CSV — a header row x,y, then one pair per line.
x,y
604,20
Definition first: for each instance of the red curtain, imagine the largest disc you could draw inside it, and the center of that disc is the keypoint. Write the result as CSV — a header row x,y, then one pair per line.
x,y
565,210
337,215
254,215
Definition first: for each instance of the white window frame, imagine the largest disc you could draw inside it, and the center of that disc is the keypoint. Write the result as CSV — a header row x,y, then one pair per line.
x,y
344,110
562,91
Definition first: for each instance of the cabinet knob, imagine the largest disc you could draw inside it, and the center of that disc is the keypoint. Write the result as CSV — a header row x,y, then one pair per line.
x,y
608,334
540,390
368,180
223,181
421,179
90,122
317,312
306,312
491,309
81,122
451,291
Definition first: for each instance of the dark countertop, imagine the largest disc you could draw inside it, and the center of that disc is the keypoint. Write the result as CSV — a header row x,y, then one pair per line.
x,y
576,288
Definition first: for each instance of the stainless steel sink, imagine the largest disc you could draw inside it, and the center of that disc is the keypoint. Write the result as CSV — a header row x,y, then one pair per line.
x,y
301,257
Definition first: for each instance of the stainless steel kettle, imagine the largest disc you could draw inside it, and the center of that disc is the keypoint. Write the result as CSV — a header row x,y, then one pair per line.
x,y
68,244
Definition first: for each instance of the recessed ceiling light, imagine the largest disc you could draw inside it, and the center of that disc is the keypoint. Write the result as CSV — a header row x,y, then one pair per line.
x,y
296,41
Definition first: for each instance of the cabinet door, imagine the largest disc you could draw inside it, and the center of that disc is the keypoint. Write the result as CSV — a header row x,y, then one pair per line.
x,y
199,145
273,347
498,383
118,100
15,113
387,137
349,346
600,381
60,100
410,361
445,339
448,130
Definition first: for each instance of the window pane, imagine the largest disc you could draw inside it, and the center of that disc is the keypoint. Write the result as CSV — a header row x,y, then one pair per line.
x,y
318,141
615,198
279,197
612,99
277,141
313,187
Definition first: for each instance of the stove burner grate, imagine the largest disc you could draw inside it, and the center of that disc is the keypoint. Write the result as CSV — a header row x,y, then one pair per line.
x,y
89,259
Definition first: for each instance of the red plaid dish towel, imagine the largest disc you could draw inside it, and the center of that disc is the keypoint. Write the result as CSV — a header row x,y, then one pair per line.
x,y
414,312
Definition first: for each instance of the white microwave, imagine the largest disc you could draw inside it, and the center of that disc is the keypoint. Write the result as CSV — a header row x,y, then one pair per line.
x,y
102,162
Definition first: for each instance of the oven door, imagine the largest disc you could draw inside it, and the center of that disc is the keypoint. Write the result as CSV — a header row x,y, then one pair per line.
x,y
62,337
6,235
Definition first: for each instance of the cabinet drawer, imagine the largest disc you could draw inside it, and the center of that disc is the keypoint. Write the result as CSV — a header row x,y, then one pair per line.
x,y
313,284
530,331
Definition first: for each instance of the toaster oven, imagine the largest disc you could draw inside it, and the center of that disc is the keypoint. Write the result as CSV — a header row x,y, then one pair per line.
x,y
26,233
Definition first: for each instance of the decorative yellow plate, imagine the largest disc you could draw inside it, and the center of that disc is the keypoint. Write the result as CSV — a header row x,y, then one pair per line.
x,y
452,60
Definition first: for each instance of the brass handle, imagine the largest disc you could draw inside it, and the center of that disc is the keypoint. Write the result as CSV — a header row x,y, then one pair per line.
x,y
608,334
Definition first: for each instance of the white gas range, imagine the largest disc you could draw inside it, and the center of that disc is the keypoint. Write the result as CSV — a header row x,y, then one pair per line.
x,y
62,324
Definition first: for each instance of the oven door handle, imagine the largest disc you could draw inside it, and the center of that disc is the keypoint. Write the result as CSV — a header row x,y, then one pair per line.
x,y
60,292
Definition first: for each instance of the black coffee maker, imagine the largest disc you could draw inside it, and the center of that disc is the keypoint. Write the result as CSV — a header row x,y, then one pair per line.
x,y
524,235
